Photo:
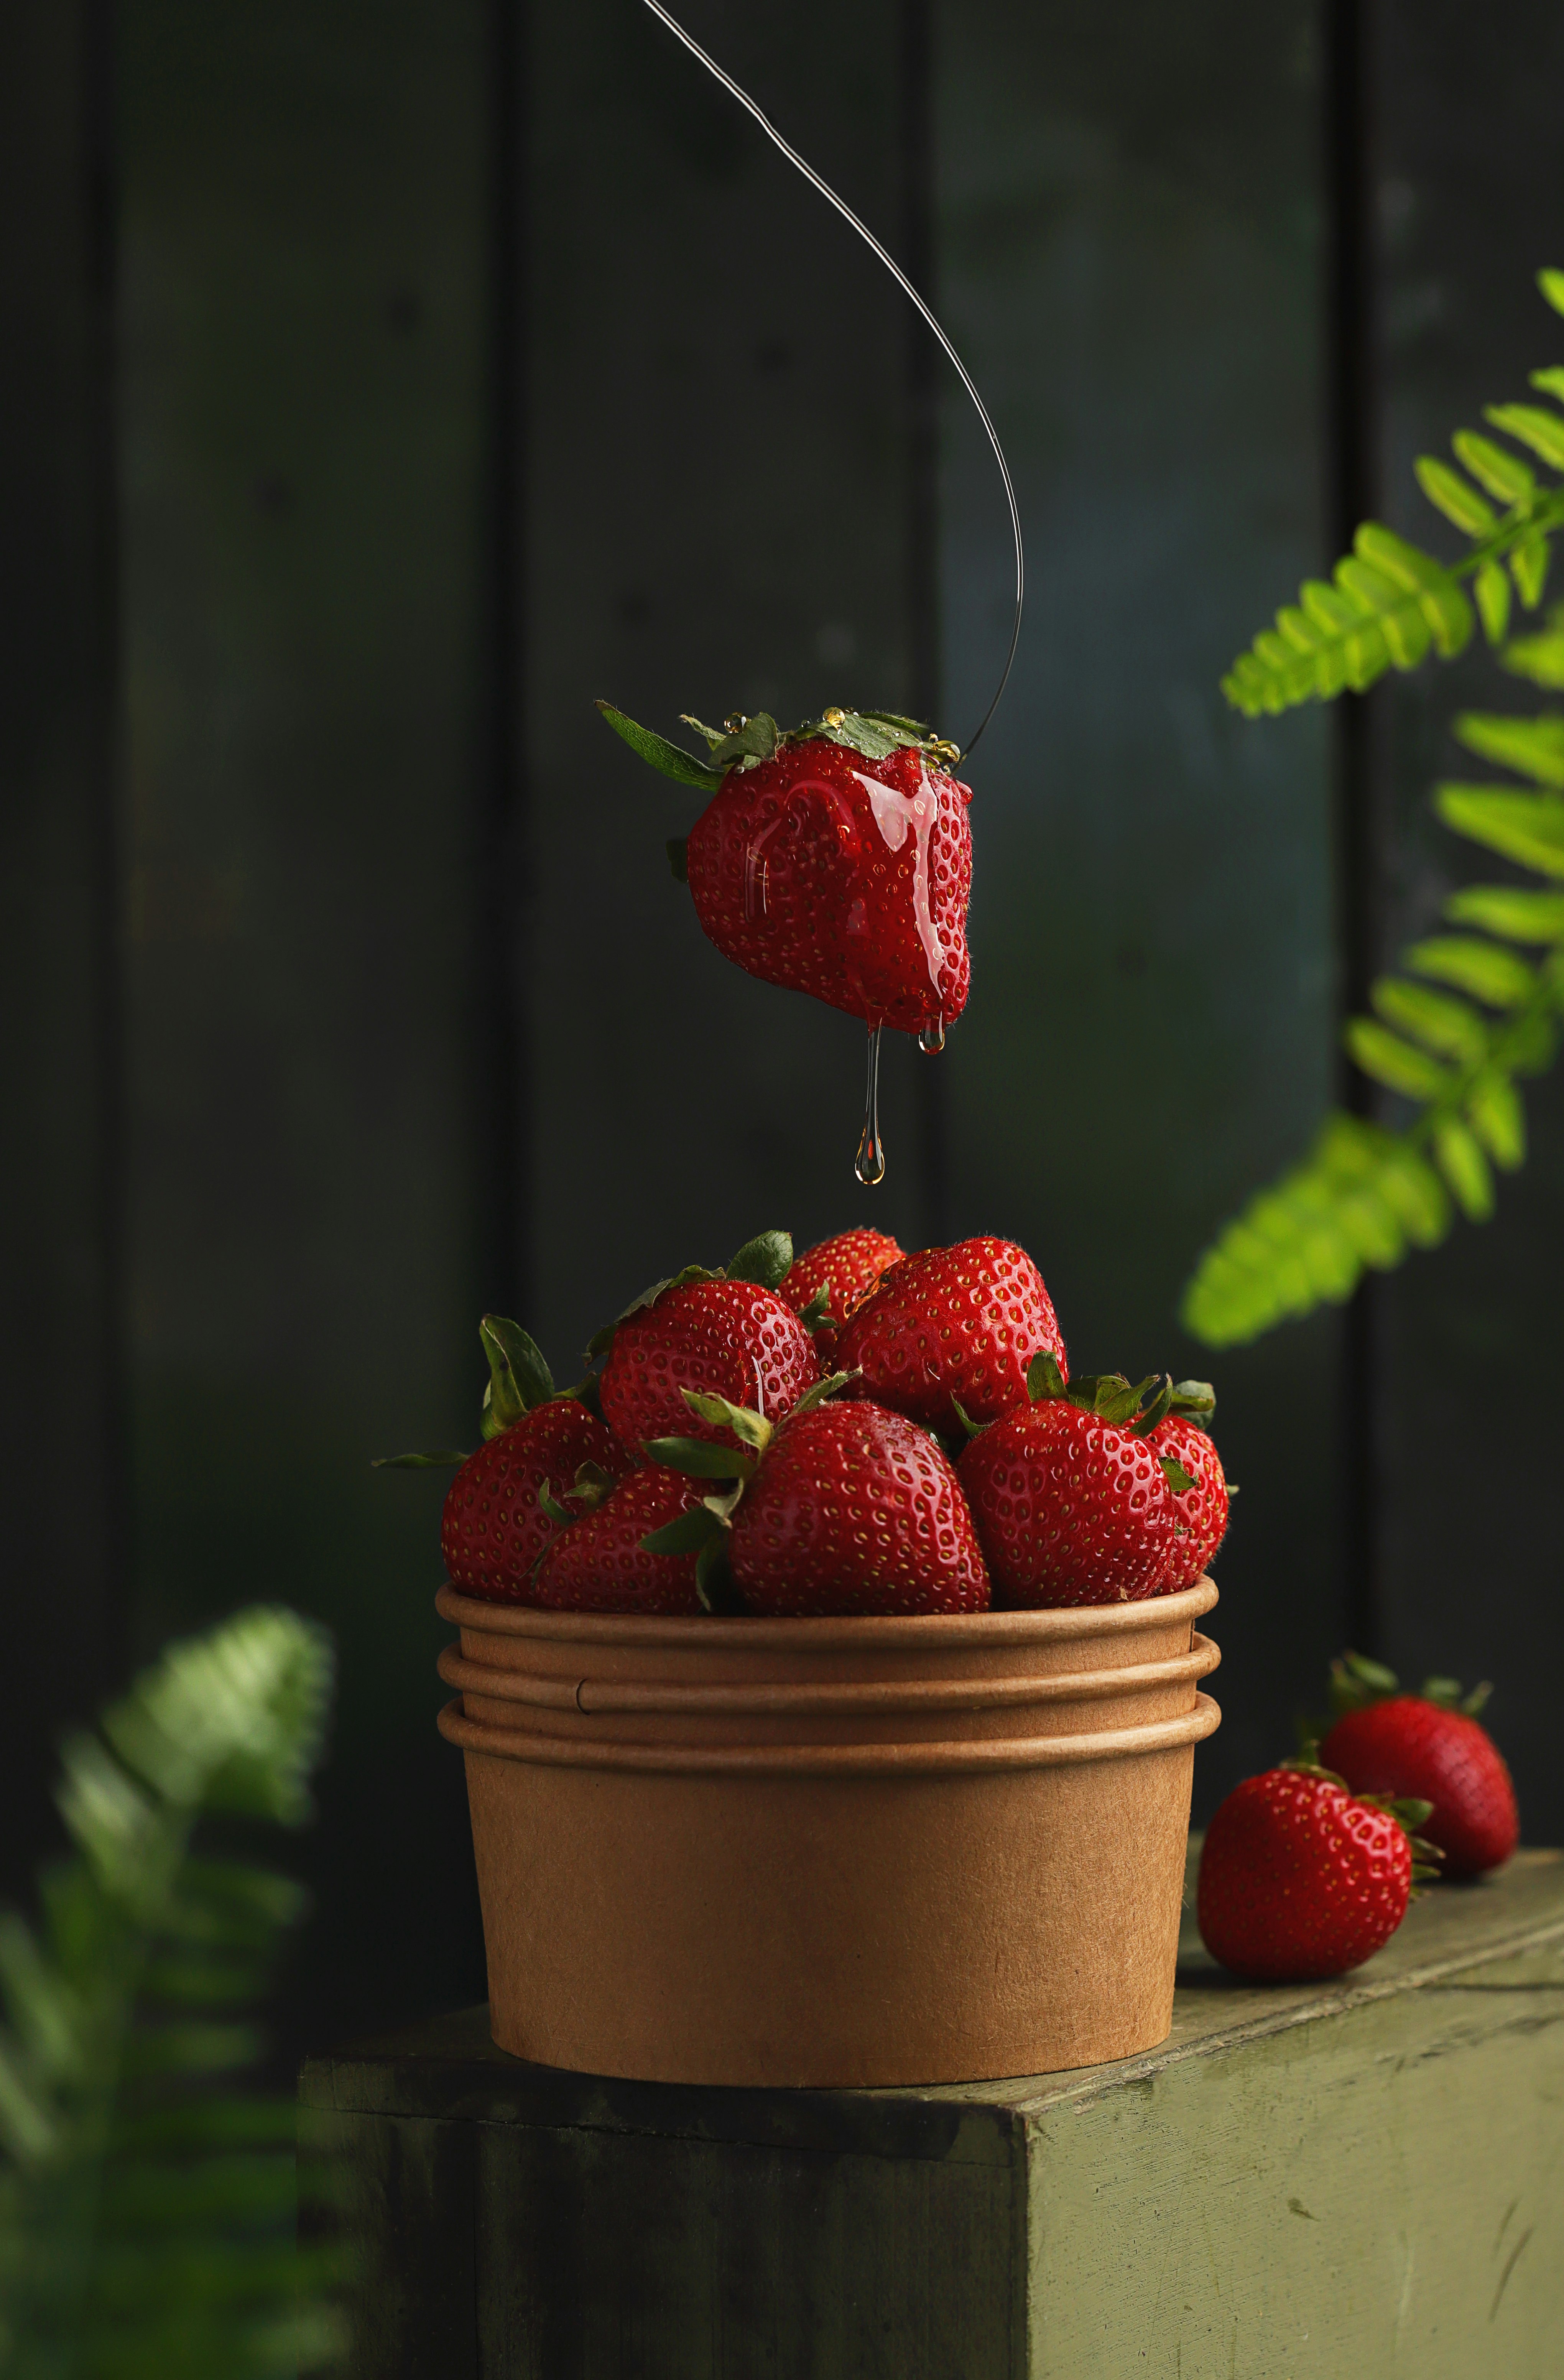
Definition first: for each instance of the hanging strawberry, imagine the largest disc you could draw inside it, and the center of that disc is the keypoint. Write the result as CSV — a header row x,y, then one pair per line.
x,y
833,859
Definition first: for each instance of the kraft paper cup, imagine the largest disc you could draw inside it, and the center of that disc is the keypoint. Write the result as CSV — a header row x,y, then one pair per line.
x,y
830,1852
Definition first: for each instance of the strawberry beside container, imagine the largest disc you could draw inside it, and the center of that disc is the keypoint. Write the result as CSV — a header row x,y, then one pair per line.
x,y
848,1824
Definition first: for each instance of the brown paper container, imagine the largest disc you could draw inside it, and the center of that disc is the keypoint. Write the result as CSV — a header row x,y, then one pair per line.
x,y
830,1851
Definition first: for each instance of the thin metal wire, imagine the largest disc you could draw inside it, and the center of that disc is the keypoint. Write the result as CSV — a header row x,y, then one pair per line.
x,y
845,211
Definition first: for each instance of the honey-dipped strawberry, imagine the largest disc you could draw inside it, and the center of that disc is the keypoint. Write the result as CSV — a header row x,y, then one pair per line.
x,y
834,859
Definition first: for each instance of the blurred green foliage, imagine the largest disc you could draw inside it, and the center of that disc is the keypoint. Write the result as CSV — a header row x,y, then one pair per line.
x,y
147,2204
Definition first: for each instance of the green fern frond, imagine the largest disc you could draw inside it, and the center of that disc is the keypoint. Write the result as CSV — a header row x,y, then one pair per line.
x,y
147,2210
1454,1035
1389,604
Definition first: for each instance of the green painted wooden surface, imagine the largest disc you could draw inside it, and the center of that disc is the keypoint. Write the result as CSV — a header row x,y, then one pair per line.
x,y
1358,2181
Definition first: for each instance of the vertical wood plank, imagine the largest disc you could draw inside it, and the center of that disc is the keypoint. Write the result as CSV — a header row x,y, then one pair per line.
x,y
403,2187
60,1407
1130,223
1471,182
303,402
608,2256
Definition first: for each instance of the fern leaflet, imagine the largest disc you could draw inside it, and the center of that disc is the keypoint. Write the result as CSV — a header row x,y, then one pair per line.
x,y
146,2208
1389,604
1454,1035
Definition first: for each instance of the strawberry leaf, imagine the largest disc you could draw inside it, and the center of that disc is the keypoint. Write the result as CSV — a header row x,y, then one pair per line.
x,y
715,1588
555,1510
1355,1682
1109,1395
823,1389
669,759
1044,1378
1175,1474
699,1458
446,1459
518,1376
817,1315
753,1428
593,1486
973,1428
752,739
766,1260
687,1534
1411,1812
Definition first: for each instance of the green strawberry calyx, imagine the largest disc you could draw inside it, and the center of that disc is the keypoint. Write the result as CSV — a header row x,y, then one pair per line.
x,y
593,1487
1356,1682
766,1260
704,1531
519,1381
744,742
817,1315
1137,1406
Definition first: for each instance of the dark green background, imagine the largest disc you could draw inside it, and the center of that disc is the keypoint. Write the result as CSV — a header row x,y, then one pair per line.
x,y
390,382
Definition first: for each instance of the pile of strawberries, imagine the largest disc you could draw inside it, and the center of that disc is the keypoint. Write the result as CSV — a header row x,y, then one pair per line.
x,y
857,1431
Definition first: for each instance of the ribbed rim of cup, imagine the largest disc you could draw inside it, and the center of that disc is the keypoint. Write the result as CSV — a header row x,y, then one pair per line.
x,y
973,1756
803,1698
974,1628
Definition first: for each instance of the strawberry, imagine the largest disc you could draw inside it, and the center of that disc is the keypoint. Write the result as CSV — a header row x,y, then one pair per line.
x,y
1200,1510
493,1527
601,1564
1301,1879
830,1279
841,1509
1429,1746
953,1329
834,858
726,1332
1071,1499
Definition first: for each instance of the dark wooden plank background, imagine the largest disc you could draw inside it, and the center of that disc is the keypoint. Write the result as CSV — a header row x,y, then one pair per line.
x,y
385,383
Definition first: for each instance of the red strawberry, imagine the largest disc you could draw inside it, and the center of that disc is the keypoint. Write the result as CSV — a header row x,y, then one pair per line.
x,y
1068,1495
493,1527
601,1564
1301,1879
842,1510
834,1277
1431,1746
731,1338
946,1324
1200,1512
835,859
